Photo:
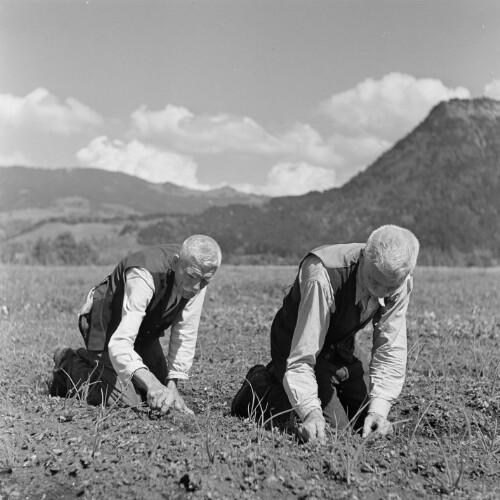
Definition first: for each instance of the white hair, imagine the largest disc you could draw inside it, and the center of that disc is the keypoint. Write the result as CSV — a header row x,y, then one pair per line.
x,y
393,250
201,250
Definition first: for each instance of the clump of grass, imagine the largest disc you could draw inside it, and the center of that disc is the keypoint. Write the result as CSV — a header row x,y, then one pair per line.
x,y
207,435
453,472
490,443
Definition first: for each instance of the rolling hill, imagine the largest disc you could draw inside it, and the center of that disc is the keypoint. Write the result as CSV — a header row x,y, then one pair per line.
x,y
107,193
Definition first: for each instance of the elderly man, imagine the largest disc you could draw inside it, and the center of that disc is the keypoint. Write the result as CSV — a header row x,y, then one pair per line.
x,y
315,368
123,319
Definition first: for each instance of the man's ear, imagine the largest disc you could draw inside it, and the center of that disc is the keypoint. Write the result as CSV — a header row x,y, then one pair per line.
x,y
175,260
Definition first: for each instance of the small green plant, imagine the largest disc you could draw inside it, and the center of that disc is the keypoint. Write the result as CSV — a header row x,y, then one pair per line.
x,y
207,435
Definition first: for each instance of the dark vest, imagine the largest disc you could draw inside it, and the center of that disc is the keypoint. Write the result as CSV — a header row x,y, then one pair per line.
x,y
341,263
106,312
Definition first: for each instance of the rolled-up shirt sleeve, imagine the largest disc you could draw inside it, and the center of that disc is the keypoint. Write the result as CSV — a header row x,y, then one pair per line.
x,y
389,354
139,289
316,305
183,336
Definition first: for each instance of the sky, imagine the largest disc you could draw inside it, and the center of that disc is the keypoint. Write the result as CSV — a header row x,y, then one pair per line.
x,y
274,97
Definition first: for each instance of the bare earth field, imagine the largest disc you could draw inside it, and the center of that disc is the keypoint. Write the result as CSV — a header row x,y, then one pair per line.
x,y
446,441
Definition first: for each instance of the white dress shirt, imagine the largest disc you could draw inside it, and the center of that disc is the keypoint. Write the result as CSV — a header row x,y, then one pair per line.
x,y
388,363
139,290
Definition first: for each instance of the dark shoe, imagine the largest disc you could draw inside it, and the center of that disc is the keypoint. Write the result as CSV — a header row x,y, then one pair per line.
x,y
59,383
248,398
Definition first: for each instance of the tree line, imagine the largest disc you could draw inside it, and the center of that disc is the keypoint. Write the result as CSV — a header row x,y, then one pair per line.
x,y
64,249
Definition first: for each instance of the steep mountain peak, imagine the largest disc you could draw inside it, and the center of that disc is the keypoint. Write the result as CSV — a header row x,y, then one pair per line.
x,y
465,109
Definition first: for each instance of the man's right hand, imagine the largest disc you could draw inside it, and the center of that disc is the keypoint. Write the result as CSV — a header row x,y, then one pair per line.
x,y
313,428
162,398
159,398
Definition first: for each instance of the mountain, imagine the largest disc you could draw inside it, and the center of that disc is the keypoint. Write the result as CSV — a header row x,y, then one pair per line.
x,y
108,193
442,181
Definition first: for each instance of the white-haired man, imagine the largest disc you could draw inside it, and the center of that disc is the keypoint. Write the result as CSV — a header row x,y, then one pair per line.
x,y
315,367
123,319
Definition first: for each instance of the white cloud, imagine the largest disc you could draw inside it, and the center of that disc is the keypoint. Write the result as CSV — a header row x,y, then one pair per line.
x,y
289,179
201,134
215,134
388,108
303,140
492,89
41,110
141,160
41,129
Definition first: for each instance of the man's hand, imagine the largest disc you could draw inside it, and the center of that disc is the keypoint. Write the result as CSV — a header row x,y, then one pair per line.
x,y
161,397
376,426
313,428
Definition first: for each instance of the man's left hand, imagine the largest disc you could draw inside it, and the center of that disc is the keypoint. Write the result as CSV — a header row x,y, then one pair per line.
x,y
376,426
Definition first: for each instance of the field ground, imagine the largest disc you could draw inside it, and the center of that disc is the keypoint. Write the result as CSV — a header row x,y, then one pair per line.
x,y
446,444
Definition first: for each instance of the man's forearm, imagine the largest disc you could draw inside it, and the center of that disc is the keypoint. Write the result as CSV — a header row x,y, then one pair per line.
x,y
389,357
144,379
387,374
183,336
301,388
125,360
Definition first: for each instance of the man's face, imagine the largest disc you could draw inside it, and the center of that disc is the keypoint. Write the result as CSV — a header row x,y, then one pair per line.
x,y
378,284
190,278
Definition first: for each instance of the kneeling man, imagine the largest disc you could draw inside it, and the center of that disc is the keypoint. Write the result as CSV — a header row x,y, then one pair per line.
x,y
316,369
123,319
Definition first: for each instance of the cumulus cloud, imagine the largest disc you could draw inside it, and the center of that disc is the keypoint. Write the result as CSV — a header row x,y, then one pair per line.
x,y
492,90
215,134
141,160
41,110
388,108
40,128
302,139
289,179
